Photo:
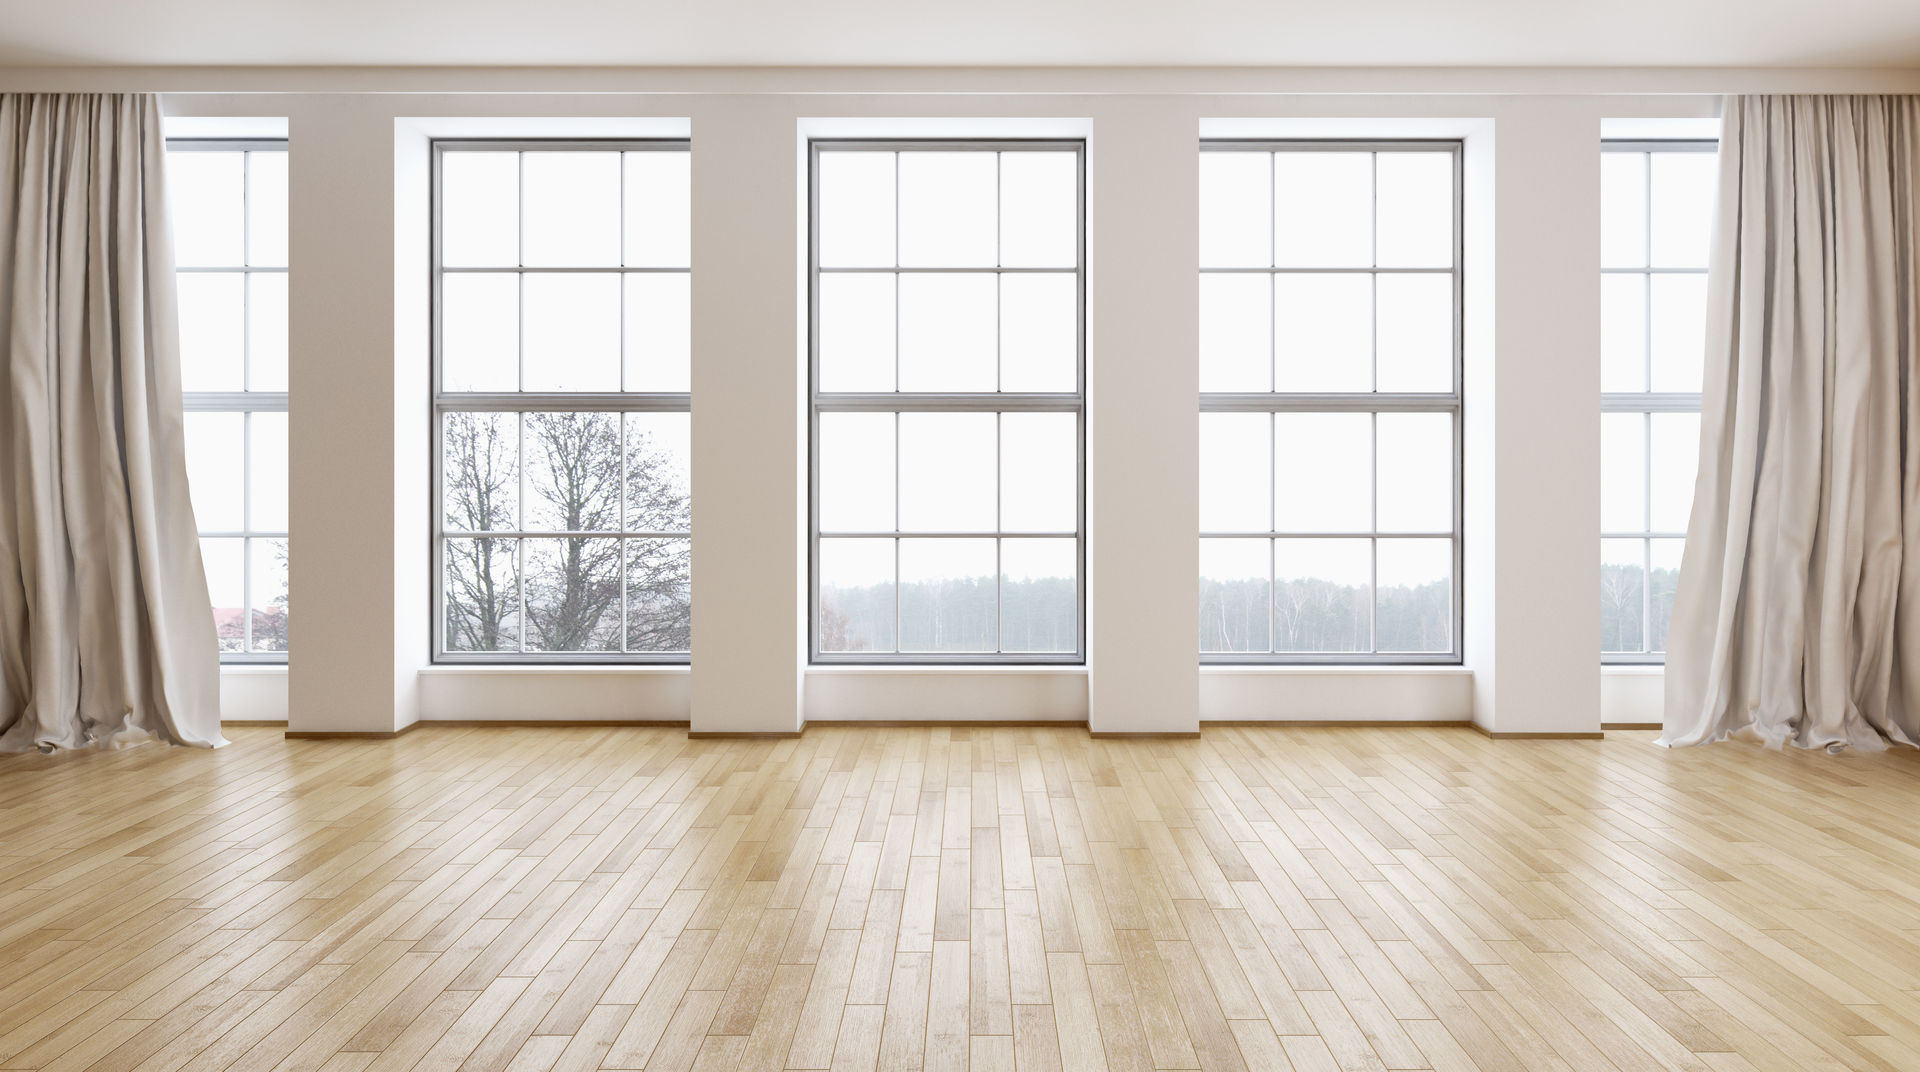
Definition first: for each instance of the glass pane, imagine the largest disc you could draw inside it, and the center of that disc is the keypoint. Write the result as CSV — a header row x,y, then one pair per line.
x,y
1324,479
1623,332
659,595
573,594
1676,465
572,466
1323,210
1321,594
1039,215
857,331
267,211
659,472
267,331
658,211
947,597
1622,595
1663,577
856,472
570,206
1416,472
1679,310
1415,210
571,333
1236,474
213,322
947,472
205,192
1414,612
269,579
1039,331
948,334
482,592
1623,472
480,332
856,210
1623,210
225,563
856,595
216,470
659,327
1039,472
1323,332
1236,210
1037,604
267,469
1236,331
947,217
1415,318
1236,613
479,209
479,470
1684,192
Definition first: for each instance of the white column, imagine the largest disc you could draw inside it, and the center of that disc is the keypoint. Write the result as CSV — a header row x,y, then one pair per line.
x,y
749,456
1143,418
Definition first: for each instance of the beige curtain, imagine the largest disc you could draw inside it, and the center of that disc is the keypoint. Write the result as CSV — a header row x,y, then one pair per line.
x,y
1797,614
105,632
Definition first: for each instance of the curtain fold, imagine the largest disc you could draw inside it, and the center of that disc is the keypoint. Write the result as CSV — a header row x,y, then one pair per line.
x,y
106,636
1796,618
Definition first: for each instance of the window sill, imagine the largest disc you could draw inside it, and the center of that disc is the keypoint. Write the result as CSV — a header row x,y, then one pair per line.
x,y
1342,670
1633,669
535,669
250,669
969,669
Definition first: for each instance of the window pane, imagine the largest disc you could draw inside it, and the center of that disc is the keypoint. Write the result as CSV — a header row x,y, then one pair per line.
x,y
1323,332
658,212
1623,472
947,472
1415,317
267,210
1415,210
947,597
267,331
1676,465
659,472
1622,595
1236,459
1323,210
856,472
225,563
1414,612
568,201
856,595
573,594
1038,217
856,210
1236,331
480,332
1324,476
1664,575
479,209
213,321
1416,472
1236,210
269,579
1039,471
659,328
947,217
572,332
572,465
482,593
857,332
267,469
659,595
1683,204
216,470
205,192
1321,594
1679,311
1235,583
1039,331
479,471
1623,210
1037,601
1623,332
948,340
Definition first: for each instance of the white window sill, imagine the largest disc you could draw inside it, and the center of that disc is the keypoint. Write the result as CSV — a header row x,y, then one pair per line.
x,y
917,669
1632,669
254,669
535,670
1304,670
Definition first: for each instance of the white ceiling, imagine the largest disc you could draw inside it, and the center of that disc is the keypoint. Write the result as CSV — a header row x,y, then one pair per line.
x,y
1340,33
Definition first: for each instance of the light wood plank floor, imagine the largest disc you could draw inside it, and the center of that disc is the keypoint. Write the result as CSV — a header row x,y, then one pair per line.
x,y
938,898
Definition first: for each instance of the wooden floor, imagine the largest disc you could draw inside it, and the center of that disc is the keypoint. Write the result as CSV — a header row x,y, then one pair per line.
x,y
1260,899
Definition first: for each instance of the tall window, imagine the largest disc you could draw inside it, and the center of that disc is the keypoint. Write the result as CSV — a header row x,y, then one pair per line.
x,y
228,203
1330,398
947,401
1657,203
561,380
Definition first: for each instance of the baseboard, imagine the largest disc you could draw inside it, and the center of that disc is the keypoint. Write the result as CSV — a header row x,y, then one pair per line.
x,y
728,735
350,735
1339,723
951,723
253,723
1149,735
1630,726
1595,735
560,723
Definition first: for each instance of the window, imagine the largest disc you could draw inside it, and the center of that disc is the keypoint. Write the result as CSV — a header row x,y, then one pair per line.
x,y
947,386
1657,203
561,376
228,203
1330,401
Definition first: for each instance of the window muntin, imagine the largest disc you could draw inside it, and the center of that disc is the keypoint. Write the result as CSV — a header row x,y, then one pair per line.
x,y
562,366
947,357
1330,313
227,200
1657,208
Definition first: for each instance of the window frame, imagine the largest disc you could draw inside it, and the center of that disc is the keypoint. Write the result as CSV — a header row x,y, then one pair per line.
x,y
245,401
1372,402
898,401
442,403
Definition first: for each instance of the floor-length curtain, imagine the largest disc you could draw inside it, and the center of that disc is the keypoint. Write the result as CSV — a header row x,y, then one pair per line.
x,y
105,631
1797,613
